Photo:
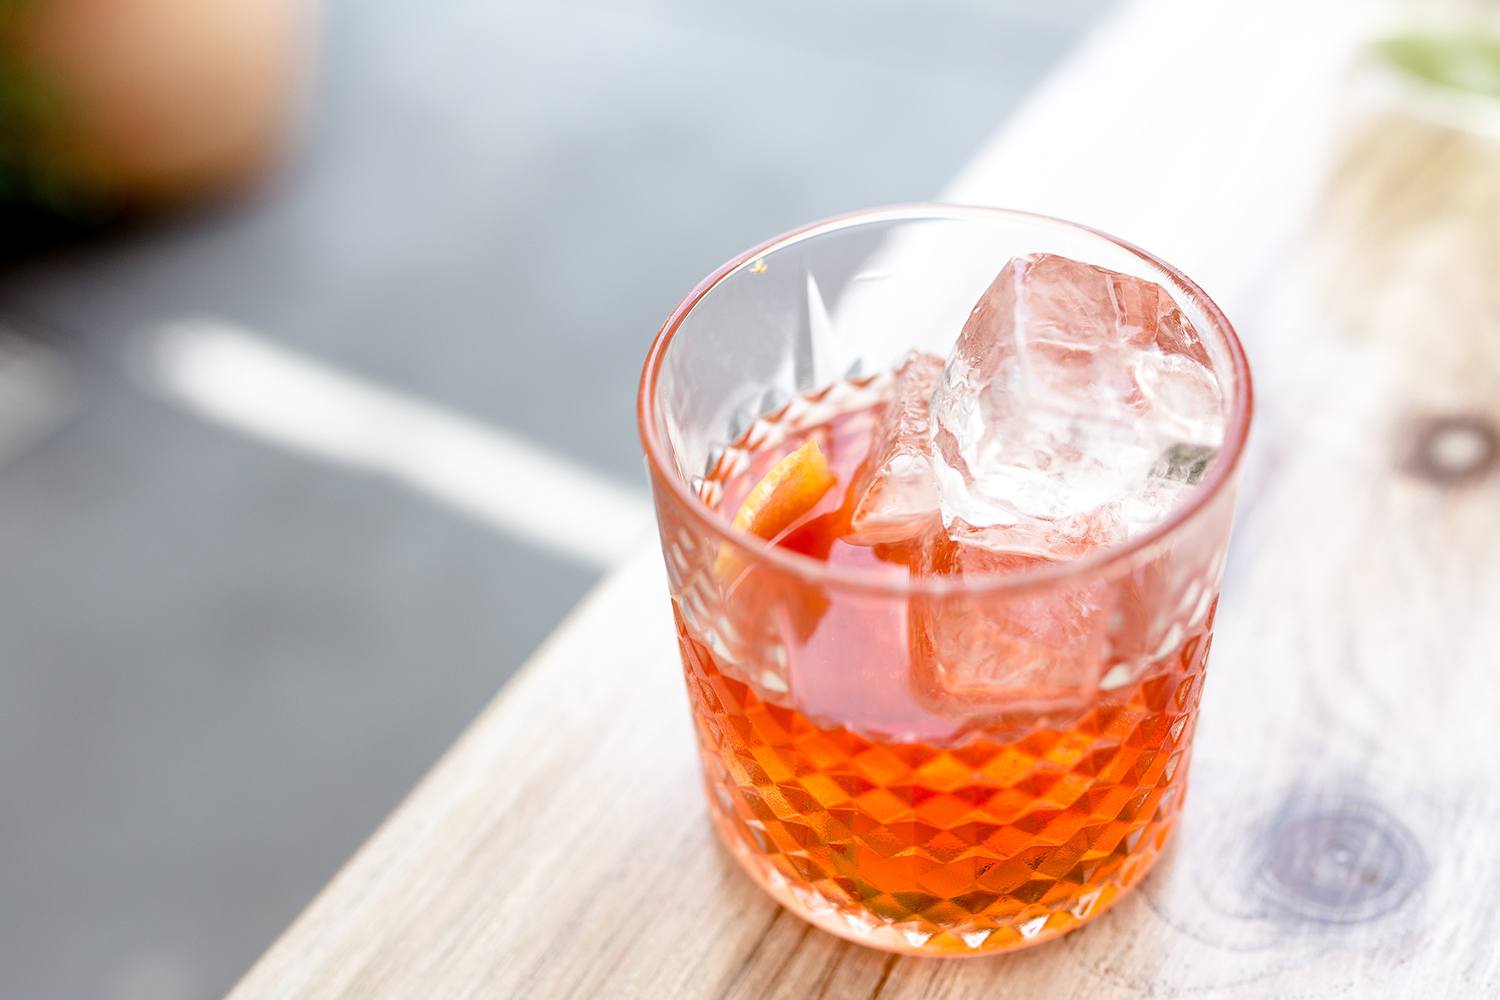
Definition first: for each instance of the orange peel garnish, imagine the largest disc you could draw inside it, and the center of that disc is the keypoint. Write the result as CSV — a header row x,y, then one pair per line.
x,y
792,488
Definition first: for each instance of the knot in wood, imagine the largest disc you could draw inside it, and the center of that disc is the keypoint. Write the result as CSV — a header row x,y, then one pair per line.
x,y
1454,449
1341,862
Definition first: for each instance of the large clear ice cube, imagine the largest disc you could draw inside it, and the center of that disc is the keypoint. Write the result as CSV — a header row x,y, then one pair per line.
x,y
977,653
1076,410
1068,386
900,500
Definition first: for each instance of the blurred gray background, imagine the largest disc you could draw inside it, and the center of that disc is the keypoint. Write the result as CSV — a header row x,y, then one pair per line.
x,y
227,656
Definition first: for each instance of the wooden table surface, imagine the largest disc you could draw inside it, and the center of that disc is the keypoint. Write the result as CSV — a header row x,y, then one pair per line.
x,y
1340,834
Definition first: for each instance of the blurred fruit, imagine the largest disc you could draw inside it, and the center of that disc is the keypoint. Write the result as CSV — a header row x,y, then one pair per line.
x,y
142,103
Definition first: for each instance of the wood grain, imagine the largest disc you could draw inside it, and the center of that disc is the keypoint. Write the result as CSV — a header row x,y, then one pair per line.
x,y
1339,836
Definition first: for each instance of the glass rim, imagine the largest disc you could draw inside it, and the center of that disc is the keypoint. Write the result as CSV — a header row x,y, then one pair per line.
x,y
889,582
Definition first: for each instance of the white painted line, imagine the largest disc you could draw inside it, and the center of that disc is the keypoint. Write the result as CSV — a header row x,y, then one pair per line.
x,y
246,382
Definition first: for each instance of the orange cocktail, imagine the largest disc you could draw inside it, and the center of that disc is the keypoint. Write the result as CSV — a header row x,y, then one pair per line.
x,y
939,709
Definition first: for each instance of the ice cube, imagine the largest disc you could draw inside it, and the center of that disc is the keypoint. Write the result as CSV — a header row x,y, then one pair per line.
x,y
1068,385
977,655
900,501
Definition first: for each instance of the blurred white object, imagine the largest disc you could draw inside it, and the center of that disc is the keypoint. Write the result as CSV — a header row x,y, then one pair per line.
x,y
36,393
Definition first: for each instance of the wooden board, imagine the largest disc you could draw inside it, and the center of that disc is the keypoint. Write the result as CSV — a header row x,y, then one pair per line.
x,y
1339,836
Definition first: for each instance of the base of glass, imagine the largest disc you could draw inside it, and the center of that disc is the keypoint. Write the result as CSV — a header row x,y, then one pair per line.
x,y
863,927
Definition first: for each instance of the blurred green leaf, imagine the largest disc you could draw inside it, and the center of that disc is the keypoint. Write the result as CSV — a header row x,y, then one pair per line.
x,y
34,178
30,120
1464,61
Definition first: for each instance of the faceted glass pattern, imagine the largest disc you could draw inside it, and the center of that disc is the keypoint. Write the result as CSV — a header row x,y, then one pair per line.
x,y
980,847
